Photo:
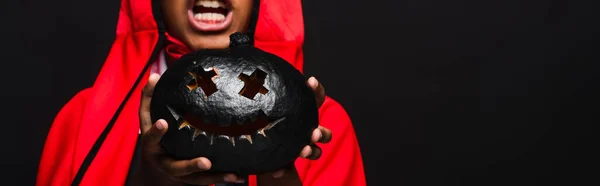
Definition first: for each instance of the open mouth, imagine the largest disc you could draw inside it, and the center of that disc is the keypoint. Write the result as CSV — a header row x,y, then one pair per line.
x,y
238,129
210,15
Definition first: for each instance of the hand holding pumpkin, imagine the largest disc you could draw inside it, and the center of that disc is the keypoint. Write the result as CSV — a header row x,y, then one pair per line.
x,y
186,171
192,171
313,152
321,134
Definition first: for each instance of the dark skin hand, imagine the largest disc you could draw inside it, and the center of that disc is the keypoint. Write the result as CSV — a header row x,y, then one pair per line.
x,y
156,166
158,169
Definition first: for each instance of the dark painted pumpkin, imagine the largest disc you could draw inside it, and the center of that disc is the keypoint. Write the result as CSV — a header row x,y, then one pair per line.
x,y
246,110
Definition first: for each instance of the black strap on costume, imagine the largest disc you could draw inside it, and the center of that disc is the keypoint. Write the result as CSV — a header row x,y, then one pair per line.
x,y
137,155
94,151
253,20
161,37
96,147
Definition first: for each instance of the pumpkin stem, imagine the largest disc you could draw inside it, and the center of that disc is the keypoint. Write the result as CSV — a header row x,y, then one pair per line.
x,y
239,39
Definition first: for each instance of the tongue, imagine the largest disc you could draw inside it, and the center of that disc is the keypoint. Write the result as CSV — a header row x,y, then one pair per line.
x,y
202,9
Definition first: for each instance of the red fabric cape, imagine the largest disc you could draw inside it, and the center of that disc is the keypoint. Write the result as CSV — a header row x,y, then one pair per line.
x,y
279,30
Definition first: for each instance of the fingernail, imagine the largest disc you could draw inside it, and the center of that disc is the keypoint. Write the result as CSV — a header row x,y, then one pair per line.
x,y
278,174
307,150
319,135
313,82
160,125
154,75
201,165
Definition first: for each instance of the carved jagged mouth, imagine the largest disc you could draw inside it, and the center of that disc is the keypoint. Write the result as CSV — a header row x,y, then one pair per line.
x,y
241,130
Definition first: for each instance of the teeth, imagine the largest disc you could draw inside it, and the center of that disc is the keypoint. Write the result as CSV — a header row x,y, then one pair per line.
x,y
185,124
175,115
261,132
246,137
223,136
269,126
232,140
209,17
219,17
198,132
211,139
210,3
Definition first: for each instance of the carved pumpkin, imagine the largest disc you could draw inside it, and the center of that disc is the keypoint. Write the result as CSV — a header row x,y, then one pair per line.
x,y
246,110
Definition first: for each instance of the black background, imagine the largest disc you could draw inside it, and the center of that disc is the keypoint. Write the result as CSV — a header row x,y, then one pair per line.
x,y
463,92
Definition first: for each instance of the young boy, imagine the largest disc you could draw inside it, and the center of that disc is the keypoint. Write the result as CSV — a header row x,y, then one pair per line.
x,y
103,136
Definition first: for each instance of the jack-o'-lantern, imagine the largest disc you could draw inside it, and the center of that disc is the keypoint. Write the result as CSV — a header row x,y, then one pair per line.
x,y
246,110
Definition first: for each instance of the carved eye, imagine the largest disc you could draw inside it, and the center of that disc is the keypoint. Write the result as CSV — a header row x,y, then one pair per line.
x,y
203,79
253,84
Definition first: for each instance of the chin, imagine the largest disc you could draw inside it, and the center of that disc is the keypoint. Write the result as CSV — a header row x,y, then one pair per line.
x,y
217,41
211,22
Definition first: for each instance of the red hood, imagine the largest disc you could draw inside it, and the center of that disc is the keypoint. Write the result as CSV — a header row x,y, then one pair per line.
x,y
94,136
279,28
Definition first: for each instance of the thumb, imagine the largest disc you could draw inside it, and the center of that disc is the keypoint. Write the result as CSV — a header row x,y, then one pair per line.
x,y
147,91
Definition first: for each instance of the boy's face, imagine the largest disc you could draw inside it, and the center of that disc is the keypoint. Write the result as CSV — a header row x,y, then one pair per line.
x,y
204,24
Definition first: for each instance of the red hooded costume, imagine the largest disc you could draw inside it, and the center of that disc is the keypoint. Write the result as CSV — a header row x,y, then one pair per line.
x,y
94,136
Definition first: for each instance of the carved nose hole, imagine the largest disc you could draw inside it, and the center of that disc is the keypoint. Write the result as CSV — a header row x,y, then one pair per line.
x,y
253,84
203,79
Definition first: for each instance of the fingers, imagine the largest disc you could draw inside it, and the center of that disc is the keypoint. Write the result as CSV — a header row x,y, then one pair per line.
x,y
326,135
311,152
286,176
208,179
316,135
315,152
318,89
152,150
179,168
283,171
306,151
151,138
189,171
279,173
233,178
147,91
319,135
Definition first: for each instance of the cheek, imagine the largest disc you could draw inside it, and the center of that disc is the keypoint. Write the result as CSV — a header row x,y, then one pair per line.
x,y
242,10
175,14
